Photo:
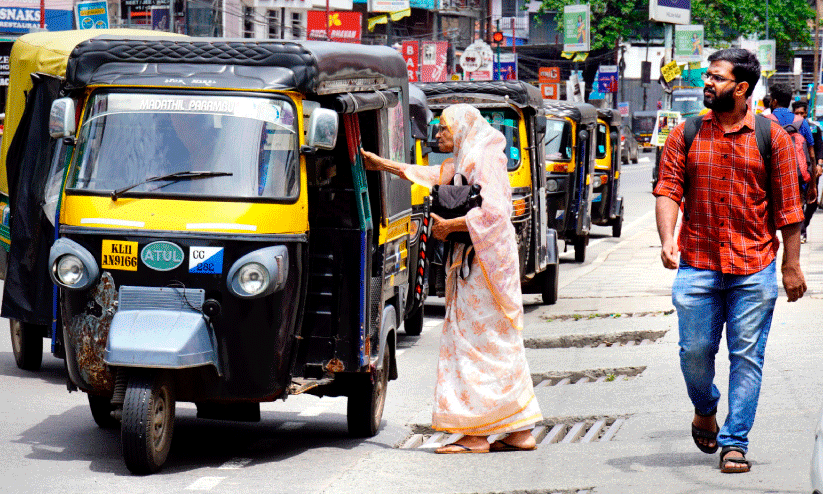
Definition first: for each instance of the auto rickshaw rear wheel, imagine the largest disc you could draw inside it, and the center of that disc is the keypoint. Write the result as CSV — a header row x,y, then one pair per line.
x,y
617,224
549,283
27,344
148,421
101,409
413,325
580,248
364,410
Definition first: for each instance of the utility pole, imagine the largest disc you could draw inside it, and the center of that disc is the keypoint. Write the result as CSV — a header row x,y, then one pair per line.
x,y
816,79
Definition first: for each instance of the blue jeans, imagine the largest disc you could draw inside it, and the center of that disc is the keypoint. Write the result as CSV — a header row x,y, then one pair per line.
x,y
705,300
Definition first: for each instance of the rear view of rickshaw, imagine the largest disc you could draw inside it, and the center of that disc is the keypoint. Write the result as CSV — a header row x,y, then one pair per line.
x,y
516,110
570,162
220,241
607,203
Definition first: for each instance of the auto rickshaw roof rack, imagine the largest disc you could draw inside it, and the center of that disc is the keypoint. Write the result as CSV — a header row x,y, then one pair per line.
x,y
610,115
581,112
316,67
488,93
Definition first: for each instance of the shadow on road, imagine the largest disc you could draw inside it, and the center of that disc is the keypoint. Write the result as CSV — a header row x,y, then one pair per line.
x,y
53,370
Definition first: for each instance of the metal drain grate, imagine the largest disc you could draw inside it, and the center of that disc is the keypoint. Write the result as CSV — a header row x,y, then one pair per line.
x,y
630,338
589,376
571,431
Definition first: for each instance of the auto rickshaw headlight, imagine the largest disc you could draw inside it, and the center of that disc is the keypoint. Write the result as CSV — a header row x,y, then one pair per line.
x,y
72,265
253,278
596,182
70,270
551,185
259,273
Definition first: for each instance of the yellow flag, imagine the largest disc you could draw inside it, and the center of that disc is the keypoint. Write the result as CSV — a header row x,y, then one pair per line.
x,y
396,16
567,54
380,19
581,57
769,73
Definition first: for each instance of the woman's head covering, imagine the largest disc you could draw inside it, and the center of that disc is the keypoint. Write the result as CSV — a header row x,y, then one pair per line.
x,y
473,137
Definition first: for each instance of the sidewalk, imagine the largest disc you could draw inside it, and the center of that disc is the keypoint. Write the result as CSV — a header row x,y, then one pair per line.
x,y
652,451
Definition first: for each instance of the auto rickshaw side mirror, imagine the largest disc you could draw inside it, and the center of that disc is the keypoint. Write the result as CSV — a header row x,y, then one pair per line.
x,y
583,135
322,129
61,118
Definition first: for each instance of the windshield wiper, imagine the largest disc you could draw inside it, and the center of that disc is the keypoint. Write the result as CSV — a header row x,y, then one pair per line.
x,y
189,175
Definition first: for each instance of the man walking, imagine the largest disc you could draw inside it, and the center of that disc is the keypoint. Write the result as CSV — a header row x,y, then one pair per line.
x,y
734,200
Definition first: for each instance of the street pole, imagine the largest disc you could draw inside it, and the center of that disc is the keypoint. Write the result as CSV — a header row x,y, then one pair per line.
x,y
42,14
328,27
816,79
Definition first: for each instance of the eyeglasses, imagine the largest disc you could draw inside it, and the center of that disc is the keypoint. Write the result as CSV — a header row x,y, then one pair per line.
x,y
717,79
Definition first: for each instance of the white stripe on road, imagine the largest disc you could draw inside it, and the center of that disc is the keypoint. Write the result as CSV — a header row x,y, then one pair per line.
x,y
204,483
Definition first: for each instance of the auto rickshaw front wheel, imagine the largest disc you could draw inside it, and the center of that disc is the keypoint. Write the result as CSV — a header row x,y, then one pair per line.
x,y
549,283
27,344
580,248
617,224
148,421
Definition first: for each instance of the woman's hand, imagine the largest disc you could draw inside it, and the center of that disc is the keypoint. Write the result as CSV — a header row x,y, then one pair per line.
x,y
440,227
371,161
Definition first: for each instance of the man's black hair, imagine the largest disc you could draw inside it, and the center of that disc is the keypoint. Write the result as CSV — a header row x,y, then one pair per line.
x,y
800,104
746,67
766,100
781,94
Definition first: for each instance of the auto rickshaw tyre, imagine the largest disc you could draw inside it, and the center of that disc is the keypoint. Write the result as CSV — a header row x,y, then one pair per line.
x,y
413,325
364,410
580,249
617,225
550,283
148,422
101,409
27,344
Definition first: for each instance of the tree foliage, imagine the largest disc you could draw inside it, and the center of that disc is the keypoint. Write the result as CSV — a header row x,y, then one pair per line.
x,y
724,21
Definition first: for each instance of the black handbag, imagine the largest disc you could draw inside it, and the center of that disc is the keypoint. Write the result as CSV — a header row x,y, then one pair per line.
x,y
454,201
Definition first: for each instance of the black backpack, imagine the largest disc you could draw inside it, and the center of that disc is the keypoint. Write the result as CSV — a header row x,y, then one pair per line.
x,y
762,130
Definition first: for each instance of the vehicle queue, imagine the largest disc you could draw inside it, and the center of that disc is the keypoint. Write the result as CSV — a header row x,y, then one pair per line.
x,y
234,271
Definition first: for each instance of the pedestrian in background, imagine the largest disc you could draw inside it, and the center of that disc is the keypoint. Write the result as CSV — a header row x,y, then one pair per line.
x,y
483,382
801,109
727,247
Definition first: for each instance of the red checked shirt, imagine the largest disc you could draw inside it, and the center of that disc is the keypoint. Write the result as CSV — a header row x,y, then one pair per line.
x,y
731,208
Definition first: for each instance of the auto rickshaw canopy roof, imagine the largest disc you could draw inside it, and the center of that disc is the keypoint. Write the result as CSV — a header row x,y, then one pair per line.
x,y
501,93
610,116
309,67
579,112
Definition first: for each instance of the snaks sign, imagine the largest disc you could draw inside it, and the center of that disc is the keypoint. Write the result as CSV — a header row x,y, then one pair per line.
x,y
162,256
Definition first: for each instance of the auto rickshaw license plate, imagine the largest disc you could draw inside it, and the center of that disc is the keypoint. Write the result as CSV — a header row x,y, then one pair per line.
x,y
119,255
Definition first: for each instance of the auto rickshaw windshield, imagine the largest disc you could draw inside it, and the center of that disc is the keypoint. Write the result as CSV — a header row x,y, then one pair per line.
x,y
558,140
505,120
247,147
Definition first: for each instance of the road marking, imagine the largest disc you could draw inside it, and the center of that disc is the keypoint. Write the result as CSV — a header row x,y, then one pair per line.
x,y
204,483
235,464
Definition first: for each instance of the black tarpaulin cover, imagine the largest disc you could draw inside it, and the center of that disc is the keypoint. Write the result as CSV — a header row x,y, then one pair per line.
x,y
27,292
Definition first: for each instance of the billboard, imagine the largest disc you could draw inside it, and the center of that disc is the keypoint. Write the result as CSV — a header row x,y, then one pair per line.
x,y
505,67
576,32
433,61
411,51
766,50
23,19
671,11
92,15
344,27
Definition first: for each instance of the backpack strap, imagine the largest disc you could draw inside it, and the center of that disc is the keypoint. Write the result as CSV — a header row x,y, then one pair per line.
x,y
690,131
763,134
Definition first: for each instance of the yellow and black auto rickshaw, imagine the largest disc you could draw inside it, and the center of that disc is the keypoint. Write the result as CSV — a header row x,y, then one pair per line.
x,y
570,163
607,203
220,241
515,109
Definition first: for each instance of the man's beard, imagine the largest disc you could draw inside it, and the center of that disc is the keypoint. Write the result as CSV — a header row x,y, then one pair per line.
x,y
723,102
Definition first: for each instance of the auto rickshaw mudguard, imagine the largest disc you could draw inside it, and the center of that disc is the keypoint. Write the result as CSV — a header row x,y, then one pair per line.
x,y
158,338
551,246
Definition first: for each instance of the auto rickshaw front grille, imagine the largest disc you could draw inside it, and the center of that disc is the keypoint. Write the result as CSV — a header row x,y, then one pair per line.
x,y
160,298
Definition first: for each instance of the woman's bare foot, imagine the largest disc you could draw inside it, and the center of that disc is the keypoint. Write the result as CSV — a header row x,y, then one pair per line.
x,y
516,441
466,444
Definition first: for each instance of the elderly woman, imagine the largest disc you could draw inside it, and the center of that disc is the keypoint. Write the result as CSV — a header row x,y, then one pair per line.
x,y
483,381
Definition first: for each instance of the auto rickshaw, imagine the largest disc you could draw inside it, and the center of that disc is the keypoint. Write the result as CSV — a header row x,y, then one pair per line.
x,y
516,109
643,128
570,163
607,203
29,189
220,241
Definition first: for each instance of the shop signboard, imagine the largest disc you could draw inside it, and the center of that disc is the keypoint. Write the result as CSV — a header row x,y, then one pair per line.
x,y
345,27
765,54
688,43
92,15
410,50
671,11
433,61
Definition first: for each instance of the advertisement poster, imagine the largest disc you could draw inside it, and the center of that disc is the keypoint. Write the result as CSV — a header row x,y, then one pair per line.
x,y
410,52
159,18
549,90
549,75
387,5
92,15
671,11
766,51
344,27
576,28
607,79
688,43
477,62
505,69
665,123
433,61
623,108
